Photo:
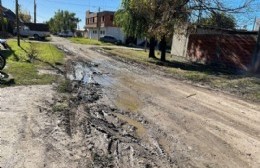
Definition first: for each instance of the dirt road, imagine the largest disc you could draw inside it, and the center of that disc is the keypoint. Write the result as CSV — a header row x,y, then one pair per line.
x,y
141,119
202,127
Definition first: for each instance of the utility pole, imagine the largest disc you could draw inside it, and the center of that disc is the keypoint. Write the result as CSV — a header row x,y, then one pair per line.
x,y
98,22
254,24
17,23
34,11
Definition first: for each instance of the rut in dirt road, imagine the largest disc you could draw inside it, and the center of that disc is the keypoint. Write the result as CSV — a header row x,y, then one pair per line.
x,y
111,141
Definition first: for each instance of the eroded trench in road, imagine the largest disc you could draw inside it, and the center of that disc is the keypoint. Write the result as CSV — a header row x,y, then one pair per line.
x,y
110,137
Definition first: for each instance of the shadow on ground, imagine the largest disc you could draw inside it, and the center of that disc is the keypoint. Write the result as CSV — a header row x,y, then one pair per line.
x,y
210,69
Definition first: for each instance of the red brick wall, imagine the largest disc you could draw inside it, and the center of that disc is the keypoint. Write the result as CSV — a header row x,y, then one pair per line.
x,y
234,51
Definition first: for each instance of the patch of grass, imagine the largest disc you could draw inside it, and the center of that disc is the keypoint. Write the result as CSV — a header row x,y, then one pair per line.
x,y
25,72
60,107
135,55
247,86
81,40
49,53
45,52
64,86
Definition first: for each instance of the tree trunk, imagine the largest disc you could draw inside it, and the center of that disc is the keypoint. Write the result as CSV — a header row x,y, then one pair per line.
x,y
152,48
162,47
145,44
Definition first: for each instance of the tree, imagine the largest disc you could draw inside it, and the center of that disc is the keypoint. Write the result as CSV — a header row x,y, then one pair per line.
x,y
63,21
24,15
160,18
135,20
219,20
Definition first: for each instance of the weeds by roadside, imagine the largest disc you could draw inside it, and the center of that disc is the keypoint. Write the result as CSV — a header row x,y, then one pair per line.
x,y
64,86
87,41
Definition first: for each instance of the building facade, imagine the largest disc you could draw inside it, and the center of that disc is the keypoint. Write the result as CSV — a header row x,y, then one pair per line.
x,y
101,24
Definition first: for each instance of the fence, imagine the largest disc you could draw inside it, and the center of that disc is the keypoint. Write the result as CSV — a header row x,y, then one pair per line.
x,y
231,50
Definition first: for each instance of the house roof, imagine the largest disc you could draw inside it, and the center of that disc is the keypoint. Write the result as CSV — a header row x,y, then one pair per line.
x,y
92,14
7,13
229,31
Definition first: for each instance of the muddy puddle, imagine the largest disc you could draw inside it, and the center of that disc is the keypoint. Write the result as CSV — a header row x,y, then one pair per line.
x,y
140,129
88,72
114,137
128,101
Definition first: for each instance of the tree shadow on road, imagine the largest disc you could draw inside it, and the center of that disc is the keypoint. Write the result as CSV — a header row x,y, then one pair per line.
x,y
54,66
211,69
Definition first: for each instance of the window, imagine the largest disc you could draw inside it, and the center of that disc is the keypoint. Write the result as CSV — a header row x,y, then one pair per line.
x,y
94,31
103,18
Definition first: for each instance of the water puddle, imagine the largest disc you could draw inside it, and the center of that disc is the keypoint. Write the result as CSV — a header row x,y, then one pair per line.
x,y
129,98
88,73
128,102
140,130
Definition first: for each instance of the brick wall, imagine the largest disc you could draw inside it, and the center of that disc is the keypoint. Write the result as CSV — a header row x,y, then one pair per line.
x,y
234,51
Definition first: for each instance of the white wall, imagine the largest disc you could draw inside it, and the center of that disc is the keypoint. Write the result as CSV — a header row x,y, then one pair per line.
x,y
92,35
179,45
109,31
115,32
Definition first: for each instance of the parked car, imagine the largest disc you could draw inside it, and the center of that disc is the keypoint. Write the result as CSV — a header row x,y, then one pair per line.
x,y
66,34
110,39
36,30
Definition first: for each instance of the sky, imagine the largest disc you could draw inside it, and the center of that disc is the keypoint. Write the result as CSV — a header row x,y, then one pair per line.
x,y
47,8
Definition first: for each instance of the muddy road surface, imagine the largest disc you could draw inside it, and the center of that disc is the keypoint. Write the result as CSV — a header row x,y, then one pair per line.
x,y
199,127
120,114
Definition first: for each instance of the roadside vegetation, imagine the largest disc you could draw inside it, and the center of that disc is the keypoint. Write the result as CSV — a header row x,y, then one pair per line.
x,y
87,41
246,85
25,62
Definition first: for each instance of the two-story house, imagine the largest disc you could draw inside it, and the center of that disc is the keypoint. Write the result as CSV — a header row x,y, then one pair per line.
x,y
101,24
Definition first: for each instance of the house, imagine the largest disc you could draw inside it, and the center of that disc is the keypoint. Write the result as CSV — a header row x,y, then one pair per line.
x,y
10,17
231,48
101,24
80,33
